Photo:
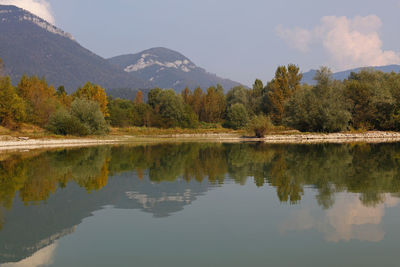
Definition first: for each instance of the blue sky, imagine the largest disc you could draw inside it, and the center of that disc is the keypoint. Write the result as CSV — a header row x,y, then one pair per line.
x,y
240,40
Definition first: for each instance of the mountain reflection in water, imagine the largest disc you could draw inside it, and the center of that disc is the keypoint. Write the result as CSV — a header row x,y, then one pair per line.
x,y
53,191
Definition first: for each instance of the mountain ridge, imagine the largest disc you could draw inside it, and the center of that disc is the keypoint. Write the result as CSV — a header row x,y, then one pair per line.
x,y
167,68
308,77
30,45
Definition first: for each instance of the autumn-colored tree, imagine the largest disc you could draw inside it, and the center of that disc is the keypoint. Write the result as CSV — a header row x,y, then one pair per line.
x,y
138,98
187,96
281,88
94,92
41,99
214,105
294,79
63,97
197,101
12,108
1,67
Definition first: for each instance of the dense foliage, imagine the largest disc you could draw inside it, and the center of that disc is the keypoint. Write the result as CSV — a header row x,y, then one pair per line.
x,y
365,101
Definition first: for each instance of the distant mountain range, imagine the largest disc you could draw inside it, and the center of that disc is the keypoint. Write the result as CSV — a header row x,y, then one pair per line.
x,y
169,69
308,77
30,45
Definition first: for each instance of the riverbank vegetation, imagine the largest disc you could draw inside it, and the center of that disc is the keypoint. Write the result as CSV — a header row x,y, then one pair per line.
x,y
368,100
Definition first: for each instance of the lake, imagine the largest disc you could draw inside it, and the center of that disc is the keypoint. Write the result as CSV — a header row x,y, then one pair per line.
x,y
201,204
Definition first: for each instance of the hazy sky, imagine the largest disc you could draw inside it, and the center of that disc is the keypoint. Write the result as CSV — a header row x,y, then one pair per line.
x,y
240,40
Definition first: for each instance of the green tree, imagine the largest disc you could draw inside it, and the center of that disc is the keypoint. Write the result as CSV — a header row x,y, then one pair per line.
x,y
237,116
320,109
172,110
121,112
370,97
153,96
143,115
255,97
237,95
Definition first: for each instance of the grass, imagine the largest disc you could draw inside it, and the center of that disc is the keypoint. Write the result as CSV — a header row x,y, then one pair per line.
x,y
149,131
35,132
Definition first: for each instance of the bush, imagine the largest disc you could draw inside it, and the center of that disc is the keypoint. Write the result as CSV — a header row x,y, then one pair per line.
x,y
62,123
89,113
236,117
84,118
260,125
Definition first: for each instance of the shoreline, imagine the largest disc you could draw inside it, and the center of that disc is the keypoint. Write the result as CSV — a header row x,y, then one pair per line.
x,y
22,143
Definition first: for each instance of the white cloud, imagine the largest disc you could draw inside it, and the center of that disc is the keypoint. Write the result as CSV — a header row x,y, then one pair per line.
x,y
297,38
40,8
349,42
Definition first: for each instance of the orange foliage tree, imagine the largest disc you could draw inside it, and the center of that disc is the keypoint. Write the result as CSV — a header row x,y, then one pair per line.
x,y
94,92
41,100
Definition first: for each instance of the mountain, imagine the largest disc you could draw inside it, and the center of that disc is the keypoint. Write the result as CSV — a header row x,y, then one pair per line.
x,y
30,45
308,77
166,68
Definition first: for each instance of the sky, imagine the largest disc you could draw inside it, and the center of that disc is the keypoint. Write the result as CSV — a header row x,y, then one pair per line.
x,y
240,40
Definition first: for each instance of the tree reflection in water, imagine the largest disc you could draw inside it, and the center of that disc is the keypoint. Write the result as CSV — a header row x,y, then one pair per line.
x,y
372,170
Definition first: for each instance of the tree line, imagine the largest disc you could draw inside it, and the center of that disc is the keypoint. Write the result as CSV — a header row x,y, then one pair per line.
x,y
364,101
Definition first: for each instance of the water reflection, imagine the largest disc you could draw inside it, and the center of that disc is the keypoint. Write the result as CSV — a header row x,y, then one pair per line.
x,y
53,191
42,257
371,170
348,219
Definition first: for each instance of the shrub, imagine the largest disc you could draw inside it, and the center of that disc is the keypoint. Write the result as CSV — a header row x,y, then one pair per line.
x,y
89,113
62,123
84,118
260,125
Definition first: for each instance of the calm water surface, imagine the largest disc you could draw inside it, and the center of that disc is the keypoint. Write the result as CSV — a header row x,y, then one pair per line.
x,y
202,205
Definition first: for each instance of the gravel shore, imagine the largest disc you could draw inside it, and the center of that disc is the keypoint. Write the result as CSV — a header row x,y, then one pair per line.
x,y
12,143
